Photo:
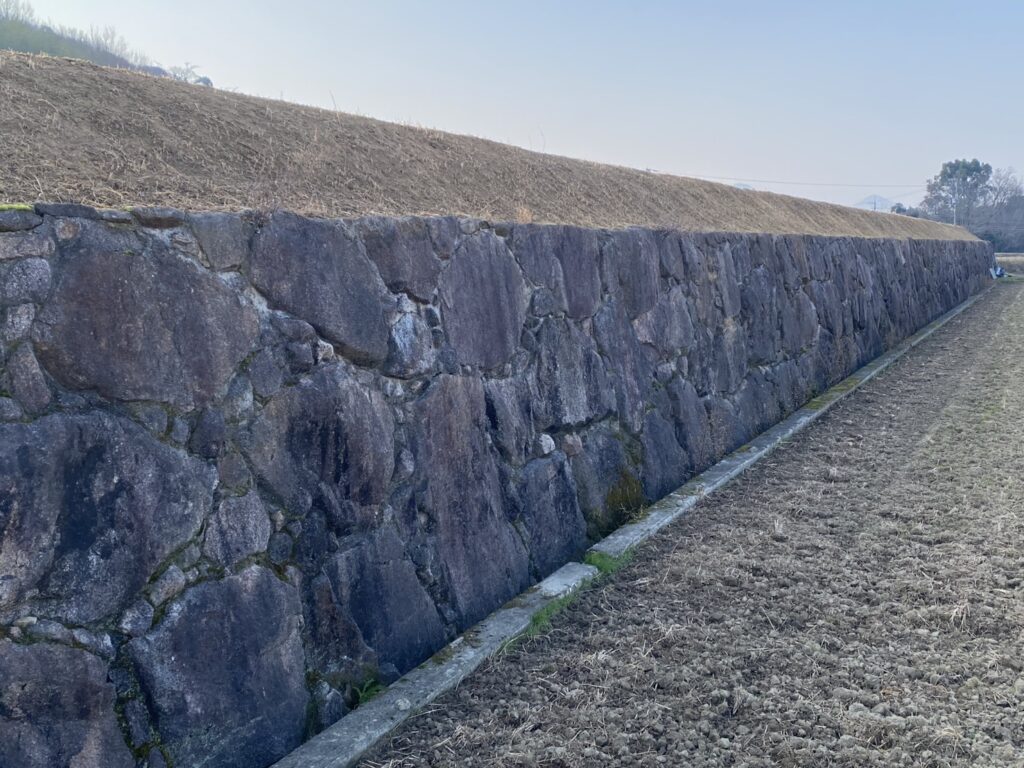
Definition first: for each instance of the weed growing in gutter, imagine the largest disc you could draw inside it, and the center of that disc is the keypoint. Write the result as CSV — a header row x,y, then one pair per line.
x,y
607,564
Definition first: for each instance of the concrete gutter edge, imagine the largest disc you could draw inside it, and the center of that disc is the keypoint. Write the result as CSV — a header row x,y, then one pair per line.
x,y
344,743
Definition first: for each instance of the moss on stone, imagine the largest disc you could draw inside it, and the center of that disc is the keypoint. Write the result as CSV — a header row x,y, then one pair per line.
x,y
368,691
443,656
626,495
540,623
605,563
623,502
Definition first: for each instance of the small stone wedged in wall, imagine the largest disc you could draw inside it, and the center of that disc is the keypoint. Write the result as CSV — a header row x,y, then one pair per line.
x,y
261,452
18,220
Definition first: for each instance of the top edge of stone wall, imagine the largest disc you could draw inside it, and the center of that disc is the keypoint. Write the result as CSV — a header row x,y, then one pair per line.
x,y
26,217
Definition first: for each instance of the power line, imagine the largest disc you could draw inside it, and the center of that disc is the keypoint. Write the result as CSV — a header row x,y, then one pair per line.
x,y
811,183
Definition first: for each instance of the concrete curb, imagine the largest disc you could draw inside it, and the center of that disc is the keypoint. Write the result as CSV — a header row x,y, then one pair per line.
x,y
345,742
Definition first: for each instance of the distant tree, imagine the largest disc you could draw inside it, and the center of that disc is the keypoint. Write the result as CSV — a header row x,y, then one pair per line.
x,y
904,210
958,189
17,10
990,203
1004,186
188,73
1000,219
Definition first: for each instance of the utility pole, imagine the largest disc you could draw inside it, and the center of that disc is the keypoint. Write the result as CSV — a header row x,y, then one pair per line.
x,y
956,197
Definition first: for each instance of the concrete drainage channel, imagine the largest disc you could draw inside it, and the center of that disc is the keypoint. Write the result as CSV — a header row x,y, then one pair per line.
x,y
344,743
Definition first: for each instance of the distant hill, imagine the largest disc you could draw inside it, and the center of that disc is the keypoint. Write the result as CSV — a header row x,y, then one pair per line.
x,y
21,31
73,131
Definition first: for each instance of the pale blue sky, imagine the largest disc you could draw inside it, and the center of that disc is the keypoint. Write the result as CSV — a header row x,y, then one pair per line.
x,y
867,92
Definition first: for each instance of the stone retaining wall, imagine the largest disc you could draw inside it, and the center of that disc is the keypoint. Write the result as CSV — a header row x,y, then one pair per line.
x,y
250,464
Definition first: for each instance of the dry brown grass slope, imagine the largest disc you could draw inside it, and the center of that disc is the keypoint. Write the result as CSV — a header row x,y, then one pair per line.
x,y
71,131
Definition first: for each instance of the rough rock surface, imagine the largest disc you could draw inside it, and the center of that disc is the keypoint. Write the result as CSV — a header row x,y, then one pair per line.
x,y
134,321
483,281
326,439
57,708
460,495
852,600
253,463
319,271
225,672
240,527
395,616
90,506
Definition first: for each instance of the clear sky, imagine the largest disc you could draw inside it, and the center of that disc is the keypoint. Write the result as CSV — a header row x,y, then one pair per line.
x,y
866,93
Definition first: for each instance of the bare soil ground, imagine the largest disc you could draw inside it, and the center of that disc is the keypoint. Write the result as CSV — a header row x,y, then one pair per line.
x,y
855,600
71,131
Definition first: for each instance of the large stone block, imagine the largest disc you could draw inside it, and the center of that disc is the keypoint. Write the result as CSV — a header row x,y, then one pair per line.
x,y
483,301
607,484
631,266
411,350
759,296
239,528
57,709
799,323
18,220
223,237
327,436
403,251
570,380
479,559
89,507
668,327
319,271
666,465
565,260
630,368
23,281
22,245
224,672
723,274
510,407
550,513
375,582
27,383
335,648
135,321
729,359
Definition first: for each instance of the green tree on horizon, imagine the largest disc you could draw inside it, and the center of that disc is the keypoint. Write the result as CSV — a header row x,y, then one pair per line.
x,y
955,193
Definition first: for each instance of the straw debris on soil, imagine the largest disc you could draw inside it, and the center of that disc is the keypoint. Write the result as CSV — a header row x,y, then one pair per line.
x,y
856,599
71,131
